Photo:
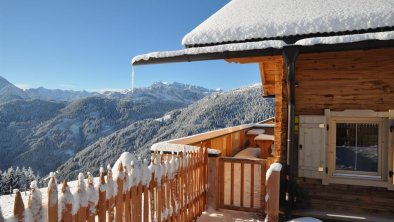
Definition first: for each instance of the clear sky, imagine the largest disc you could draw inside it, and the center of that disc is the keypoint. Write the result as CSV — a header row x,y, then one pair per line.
x,y
88,44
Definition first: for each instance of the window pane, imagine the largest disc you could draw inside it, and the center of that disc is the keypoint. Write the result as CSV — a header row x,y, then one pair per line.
x,y
357,147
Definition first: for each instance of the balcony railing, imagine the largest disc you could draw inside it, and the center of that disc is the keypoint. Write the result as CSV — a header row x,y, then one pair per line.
x,y
185,176
171,188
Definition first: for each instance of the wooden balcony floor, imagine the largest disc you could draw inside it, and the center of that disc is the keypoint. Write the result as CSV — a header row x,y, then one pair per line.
x,y
212,215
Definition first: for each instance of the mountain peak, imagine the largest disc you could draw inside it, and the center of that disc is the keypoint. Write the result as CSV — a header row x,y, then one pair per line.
x,y
9,91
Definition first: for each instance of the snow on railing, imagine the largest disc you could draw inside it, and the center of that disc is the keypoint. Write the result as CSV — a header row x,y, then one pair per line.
x,y
173,187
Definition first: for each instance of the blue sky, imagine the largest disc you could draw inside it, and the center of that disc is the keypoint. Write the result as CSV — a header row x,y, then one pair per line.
x,y
88,44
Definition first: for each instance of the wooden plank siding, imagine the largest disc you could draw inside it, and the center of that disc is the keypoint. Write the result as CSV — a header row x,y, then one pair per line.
x,y
339,197
338,81
344,80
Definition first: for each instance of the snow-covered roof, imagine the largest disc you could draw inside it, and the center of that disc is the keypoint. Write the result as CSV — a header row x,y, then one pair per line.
x,y
275,44
278,44
243,20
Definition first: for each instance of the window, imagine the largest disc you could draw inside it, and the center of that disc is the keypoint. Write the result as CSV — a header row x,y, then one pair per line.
x,y
357,147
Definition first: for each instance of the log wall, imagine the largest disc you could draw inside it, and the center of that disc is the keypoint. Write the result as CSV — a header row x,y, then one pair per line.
x,y
337,81
346,198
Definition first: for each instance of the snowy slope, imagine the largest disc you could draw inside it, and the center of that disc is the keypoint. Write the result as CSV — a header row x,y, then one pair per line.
x,y
32,130
216,111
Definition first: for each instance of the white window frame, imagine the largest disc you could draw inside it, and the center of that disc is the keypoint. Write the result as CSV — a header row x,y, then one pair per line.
x,y
379,179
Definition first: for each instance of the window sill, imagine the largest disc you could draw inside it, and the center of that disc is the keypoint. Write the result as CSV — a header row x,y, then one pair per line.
x,y
371,182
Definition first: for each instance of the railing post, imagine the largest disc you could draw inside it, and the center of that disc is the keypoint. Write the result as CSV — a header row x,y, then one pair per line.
x,y
66,203
119,195
126,195
272,196
147,177
52,199
35,203
19,207
110,195
102,197
81,215
92,199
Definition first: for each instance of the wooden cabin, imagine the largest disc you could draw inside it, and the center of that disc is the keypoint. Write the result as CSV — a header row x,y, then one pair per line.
x,y
330,67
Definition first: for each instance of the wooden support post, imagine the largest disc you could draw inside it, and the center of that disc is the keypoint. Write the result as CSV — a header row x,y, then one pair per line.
x,y
102,198
19,207
52,199
265,146
272,205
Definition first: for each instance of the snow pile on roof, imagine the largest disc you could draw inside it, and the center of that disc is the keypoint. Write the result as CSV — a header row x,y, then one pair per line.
x,y
278,44
241,20
346,38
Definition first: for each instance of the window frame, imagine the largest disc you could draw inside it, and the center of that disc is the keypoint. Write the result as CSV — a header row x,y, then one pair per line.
x,y
333,175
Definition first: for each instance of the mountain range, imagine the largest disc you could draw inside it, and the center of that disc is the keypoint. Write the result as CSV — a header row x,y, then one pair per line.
x,y
74,131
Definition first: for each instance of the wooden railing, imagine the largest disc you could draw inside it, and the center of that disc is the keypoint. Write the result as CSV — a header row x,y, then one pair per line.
x,y
250,185
242,183
171,188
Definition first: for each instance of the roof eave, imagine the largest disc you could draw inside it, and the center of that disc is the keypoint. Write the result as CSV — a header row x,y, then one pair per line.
x,y
361,45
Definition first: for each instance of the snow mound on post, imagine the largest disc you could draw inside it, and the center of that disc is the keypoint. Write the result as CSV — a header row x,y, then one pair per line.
x,y
34,212
277,167
83,198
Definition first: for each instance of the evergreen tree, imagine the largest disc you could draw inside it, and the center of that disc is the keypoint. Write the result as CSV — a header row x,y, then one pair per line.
x,y
1,182
17,180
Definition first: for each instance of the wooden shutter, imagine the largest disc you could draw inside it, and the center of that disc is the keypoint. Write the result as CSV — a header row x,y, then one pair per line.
x,y
312,147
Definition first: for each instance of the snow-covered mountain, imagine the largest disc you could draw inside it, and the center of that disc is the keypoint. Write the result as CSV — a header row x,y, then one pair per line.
x,y
164,91
58,94
33,130
9,92
77,131
218,110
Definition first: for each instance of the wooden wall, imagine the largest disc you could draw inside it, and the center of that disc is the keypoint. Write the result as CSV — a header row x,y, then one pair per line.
x,y
345,80
346,198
